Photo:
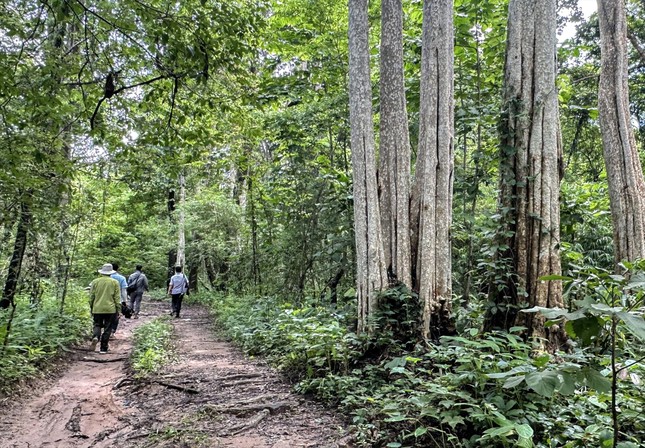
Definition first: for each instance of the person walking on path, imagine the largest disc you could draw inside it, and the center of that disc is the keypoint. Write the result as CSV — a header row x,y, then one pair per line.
x,y
137,283
123,284
105,306
177,288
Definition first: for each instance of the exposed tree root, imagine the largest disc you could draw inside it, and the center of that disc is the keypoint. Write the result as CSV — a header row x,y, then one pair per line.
x,y
271,407
251,423
175,386
241,382
138,436
86,359
238,376
73,424
123,382
257,399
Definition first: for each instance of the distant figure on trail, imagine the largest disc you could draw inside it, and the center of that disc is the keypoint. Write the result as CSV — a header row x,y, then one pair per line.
x,y
137,284
177,287
105,306
123,284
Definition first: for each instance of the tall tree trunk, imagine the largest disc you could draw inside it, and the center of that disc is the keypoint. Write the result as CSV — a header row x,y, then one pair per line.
x,y
332,284
13,274
211,274
370,263
170,205
394,172
255,263
172,262
531,157
193,275
624,172
15,265
431,208
172,253
181,244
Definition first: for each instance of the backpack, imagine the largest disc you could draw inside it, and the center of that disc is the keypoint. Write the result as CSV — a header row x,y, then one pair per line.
x,y
133,286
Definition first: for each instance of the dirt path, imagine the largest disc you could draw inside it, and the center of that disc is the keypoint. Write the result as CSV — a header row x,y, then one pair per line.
x,y
212,396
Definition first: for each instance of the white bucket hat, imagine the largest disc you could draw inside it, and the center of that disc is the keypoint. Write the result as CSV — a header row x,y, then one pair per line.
x,y
107,269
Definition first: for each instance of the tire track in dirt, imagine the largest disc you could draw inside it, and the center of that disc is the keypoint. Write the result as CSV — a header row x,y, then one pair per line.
x,y
211,396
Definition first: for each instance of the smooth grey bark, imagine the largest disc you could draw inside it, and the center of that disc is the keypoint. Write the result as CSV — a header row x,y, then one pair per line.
x,y
394,171
530,164
431,203
624,172
370,265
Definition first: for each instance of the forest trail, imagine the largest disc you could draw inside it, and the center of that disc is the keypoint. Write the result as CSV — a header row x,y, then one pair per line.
x,y
211,396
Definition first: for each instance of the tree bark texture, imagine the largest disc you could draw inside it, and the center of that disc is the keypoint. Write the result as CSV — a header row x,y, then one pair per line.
x,y
255,262
193,276
394,172
181,243
431,203
172,262
15,264
370,264
624,172
170,204
531,157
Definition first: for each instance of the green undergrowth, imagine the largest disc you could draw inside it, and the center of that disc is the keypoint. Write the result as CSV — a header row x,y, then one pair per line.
x,y
152,346
158,294
469,390
39,333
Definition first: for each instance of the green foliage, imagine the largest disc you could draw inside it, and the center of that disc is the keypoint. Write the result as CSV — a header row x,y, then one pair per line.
x,y
471,390
115,225
215,225
252,106
158,294
152,347
586,228
39,333
397,321
304,342
606,322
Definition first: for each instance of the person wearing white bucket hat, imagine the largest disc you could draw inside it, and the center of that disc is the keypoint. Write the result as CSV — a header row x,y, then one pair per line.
x,y
105,306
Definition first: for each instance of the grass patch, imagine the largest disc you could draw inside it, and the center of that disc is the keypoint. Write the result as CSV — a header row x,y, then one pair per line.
x,y
152,346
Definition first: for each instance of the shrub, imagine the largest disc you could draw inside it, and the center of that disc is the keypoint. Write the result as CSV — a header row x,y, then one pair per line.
x,y
39,332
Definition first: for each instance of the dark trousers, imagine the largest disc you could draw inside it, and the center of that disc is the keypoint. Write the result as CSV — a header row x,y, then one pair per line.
x,y
103,328
176,303
115,324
